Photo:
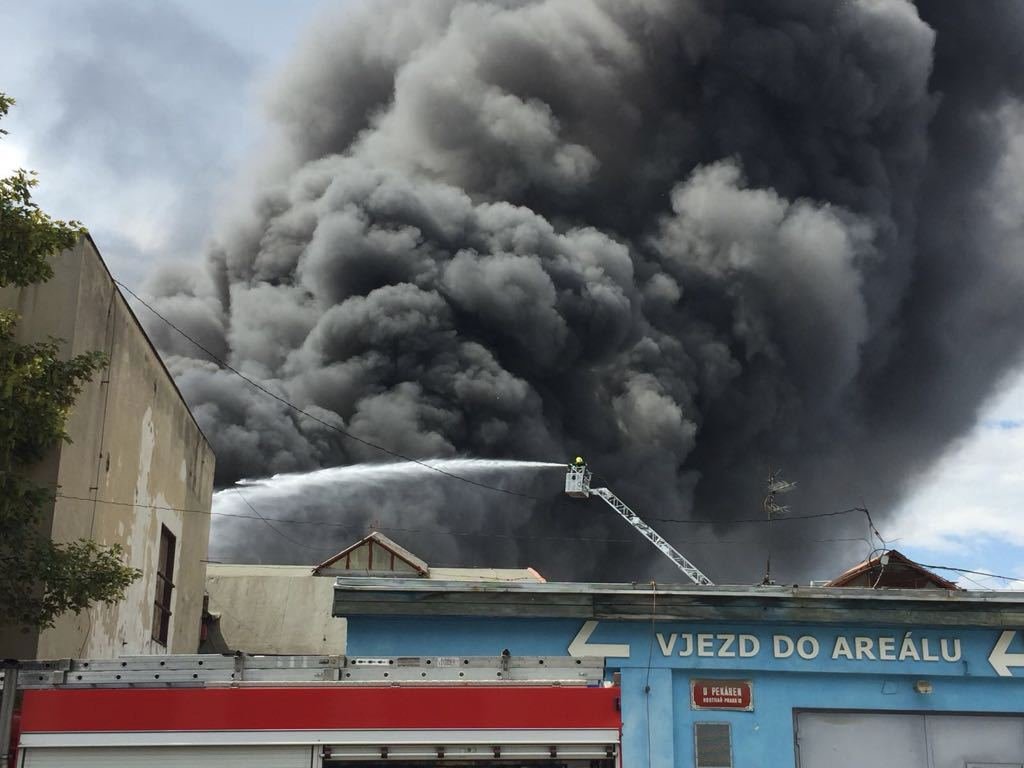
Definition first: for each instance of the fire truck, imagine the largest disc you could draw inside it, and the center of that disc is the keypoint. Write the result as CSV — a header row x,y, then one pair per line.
x,y
311,712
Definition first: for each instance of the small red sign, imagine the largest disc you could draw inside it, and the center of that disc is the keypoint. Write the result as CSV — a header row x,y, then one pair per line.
x,y
722,694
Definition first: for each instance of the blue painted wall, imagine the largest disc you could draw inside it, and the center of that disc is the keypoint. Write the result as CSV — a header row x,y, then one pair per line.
x,y
658,722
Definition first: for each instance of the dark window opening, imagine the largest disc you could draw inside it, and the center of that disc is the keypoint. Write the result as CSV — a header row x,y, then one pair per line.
x,y
164,587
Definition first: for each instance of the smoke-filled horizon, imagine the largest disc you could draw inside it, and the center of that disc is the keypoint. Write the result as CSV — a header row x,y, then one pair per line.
x,y
689,240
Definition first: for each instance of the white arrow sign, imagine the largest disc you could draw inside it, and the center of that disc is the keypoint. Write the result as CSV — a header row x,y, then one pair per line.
x,y
580,647
1001,659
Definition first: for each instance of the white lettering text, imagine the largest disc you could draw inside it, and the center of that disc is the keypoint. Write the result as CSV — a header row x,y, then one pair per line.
x,y
887,648
749,646
782,646
727,643
667,646
842,648
807,647
864,647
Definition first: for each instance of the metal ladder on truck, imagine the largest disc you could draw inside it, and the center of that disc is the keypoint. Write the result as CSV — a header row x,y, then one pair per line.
x,y
320,711
577,485
239,669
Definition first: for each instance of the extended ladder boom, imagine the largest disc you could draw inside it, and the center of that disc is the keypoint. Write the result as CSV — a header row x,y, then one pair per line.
x,y
577,485
673,554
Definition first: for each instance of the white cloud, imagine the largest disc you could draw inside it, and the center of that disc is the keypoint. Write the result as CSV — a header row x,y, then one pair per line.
x,y
975,494
974,581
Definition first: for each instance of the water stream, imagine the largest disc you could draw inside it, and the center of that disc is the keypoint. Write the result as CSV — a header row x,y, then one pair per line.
x,y
363,475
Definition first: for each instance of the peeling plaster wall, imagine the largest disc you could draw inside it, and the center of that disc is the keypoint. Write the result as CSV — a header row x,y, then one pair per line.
x,y
275,609
134,441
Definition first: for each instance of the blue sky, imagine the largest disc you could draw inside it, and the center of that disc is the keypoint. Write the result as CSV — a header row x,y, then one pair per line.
x,y
967,511
138,117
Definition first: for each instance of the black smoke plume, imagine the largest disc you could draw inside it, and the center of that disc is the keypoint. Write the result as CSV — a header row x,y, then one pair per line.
x,y
687,239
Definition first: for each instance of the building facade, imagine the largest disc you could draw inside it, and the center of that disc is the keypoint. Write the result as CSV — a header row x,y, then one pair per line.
x,y
744,676
136,460
285,609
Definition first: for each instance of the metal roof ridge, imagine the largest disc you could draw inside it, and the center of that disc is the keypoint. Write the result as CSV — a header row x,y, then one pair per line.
x,y
364,584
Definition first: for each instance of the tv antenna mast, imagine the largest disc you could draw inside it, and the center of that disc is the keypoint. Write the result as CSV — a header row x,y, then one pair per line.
x,y
775,486
577,485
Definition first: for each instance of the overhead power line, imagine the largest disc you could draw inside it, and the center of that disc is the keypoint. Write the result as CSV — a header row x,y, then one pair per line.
x,y
975,573
326,522
764,521
270,525
419,531
288,404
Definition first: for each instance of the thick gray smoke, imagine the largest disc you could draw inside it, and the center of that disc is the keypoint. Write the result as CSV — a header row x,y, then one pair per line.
x,y
689,240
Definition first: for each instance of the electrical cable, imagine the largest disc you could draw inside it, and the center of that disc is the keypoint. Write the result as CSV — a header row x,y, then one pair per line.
x,y
275,530
976,583
255,384
655,519
436,532
261,388
763,521
650,661
355,529
109,337
976,573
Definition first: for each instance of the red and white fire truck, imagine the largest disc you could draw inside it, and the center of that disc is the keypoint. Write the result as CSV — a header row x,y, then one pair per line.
x,y
303,712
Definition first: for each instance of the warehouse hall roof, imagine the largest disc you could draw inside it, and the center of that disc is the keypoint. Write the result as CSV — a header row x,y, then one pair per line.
x,y
407,597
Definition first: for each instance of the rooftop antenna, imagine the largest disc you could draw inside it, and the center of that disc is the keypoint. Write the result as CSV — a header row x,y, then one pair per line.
x,y
775,485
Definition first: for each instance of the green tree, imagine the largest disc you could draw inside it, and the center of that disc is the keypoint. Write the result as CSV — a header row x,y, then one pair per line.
x,y
40,579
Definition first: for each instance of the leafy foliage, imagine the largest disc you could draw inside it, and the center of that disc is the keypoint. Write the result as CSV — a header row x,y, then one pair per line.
x,y
28,236
40,579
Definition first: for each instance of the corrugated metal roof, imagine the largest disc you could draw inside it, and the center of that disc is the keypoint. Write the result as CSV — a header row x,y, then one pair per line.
x,y
504,575
255,569
428,597
486,574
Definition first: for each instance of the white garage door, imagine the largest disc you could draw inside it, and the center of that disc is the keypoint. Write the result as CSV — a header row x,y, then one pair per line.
x,y
169,757
856,739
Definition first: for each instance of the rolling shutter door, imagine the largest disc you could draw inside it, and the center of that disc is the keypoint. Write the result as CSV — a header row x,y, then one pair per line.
x,y
491,745
169,757
890,740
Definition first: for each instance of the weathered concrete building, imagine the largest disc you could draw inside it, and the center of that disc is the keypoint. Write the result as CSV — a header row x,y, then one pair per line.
x,y
285,609
136,456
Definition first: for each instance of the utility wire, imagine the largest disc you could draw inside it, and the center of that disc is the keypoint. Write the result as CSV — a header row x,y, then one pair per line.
x,y
436,532
976,573
761,520
281,519
344,526
275,530
255,384
325,522
288,404
647,679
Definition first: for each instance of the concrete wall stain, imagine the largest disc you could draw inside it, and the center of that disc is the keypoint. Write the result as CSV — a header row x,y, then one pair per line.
x,y
134,441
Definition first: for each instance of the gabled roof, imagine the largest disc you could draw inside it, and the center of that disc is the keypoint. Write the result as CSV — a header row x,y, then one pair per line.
x,y
897,571
375,541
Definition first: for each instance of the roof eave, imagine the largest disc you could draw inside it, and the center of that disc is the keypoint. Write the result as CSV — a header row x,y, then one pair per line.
x,y
900,607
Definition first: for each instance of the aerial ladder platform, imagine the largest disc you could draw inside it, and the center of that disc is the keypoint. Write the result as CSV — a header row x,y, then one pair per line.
x,y
577,485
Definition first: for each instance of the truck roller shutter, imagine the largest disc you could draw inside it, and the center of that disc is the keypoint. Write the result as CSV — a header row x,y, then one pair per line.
x,y
169,757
